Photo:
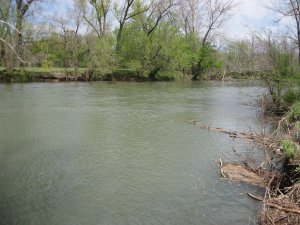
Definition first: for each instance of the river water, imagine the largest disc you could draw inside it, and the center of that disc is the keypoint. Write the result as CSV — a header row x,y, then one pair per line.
x,y
123,153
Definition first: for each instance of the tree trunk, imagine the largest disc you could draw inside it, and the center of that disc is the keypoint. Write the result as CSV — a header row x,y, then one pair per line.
x,y
119,36
195,72
298,36
19,26
2,54
8,61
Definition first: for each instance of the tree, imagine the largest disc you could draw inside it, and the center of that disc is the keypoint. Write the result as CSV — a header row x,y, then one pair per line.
x,y
201,21
22,8
290,9
123,13
203,18
5,31
157,11
101,9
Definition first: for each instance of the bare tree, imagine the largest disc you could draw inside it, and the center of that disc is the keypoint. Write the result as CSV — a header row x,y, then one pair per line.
x,y
217,13
157,11
202,18
290,9
101,9
191,16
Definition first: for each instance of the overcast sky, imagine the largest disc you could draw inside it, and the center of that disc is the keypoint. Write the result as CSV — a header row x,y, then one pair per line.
x,y
247,15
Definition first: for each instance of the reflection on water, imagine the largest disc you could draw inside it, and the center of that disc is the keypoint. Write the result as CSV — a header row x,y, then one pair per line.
x,y
124,153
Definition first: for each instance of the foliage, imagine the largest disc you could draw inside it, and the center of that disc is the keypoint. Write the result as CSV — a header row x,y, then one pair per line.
x,y
289,148
102,56
157,56
161,40
294,113
284,64
202,60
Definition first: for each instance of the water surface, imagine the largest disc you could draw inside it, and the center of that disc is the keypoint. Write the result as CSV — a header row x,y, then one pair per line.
x,y
122,153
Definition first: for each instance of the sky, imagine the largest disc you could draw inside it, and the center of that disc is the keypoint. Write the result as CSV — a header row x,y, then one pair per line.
x,y
250,15
246,16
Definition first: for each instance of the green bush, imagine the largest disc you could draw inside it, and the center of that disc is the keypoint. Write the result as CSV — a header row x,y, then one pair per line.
x,y
165,76
289,148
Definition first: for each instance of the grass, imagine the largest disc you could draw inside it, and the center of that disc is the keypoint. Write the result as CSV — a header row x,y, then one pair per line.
x,y
289,148
294,113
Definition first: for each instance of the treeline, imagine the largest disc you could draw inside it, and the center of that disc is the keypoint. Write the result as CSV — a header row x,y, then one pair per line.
x,y
155,40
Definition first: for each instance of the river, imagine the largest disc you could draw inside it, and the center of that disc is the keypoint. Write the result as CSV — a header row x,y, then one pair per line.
x,y
123,153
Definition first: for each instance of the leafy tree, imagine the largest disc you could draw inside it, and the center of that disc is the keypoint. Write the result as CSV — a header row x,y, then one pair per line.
x,y
204,59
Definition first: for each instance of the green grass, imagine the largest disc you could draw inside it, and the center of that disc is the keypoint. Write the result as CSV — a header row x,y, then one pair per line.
x,y
294,77
294,113
289,148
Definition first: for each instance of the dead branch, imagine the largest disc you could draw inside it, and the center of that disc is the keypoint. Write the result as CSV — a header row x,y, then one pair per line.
x,y
258,198
283,208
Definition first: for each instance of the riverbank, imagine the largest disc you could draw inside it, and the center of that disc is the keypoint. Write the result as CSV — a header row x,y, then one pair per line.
x,y
278,171
281,203
84,74
61,75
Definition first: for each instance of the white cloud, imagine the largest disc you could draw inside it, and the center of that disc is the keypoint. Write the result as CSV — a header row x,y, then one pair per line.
x,y
249,15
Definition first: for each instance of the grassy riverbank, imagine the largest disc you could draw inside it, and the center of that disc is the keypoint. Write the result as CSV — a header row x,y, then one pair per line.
x,y
281,201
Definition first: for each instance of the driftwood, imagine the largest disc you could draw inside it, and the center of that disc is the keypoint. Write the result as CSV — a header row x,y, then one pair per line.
x,y
233,134
258,198
221,169
283,208
271,142
280,207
